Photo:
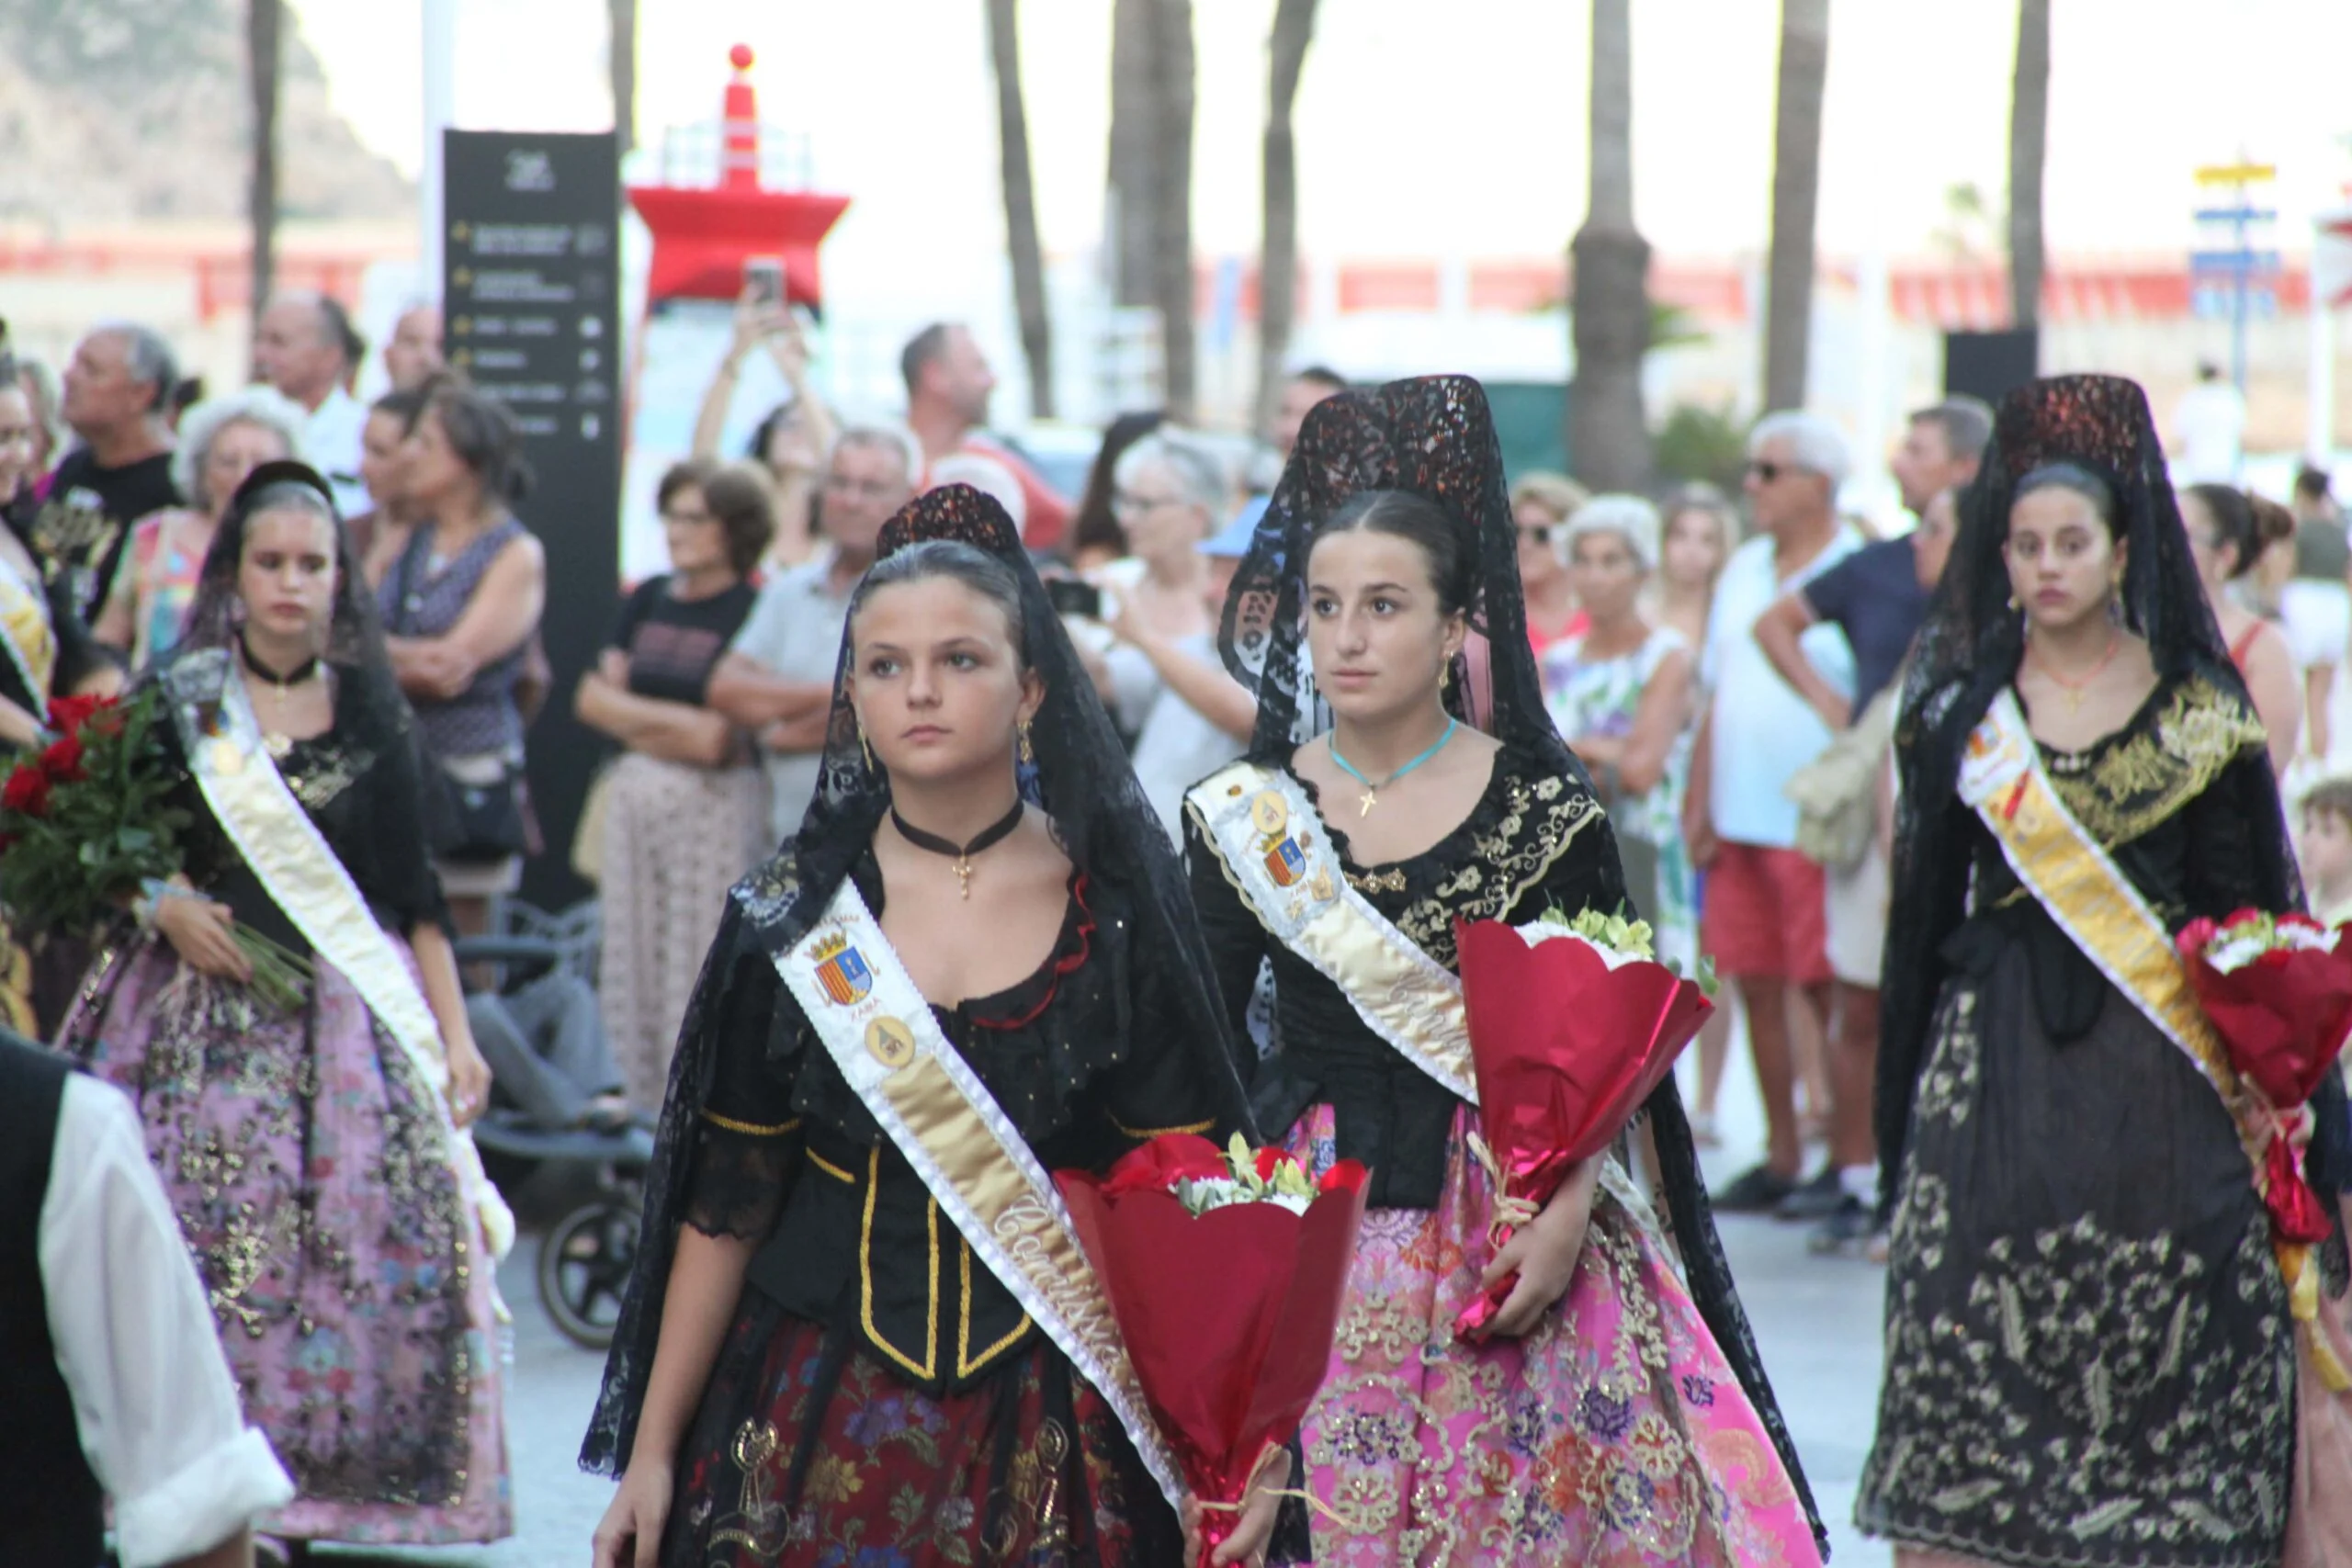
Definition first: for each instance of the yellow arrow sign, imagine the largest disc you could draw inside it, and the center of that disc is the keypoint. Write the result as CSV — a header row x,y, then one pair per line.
x,y
2236,174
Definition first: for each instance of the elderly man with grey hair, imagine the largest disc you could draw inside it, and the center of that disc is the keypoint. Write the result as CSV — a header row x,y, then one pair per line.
x,y
1762,922
1876,597
1189,716
305,346
118,396
776,678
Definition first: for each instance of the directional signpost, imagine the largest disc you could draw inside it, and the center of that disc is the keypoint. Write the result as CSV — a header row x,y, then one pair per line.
x,y
2234,273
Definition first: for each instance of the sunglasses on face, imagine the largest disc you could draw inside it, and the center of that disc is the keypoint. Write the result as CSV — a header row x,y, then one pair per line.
x,y
1538,533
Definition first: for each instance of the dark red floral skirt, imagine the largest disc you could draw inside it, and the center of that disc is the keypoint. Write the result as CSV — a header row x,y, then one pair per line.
x,y
812,1453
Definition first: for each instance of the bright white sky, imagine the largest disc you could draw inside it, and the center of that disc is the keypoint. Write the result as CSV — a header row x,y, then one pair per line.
x,y
1430,128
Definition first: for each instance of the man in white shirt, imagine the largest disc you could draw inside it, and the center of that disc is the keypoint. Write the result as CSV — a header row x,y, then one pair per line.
x,y
2207,430
110,1374
776,679
1763,920
305,346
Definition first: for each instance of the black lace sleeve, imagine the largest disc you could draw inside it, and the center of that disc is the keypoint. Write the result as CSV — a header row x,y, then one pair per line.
x,y
1237,940
747,1144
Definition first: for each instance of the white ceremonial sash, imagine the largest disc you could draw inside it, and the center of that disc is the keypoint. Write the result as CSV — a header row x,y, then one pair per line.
x,y
862,1004
302,876
1277,851
27,636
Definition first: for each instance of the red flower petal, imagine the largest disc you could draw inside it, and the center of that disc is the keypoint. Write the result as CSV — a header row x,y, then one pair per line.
x,y
1347,1176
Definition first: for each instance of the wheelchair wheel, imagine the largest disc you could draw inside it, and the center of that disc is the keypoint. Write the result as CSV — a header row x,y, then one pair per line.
x,y
584,1266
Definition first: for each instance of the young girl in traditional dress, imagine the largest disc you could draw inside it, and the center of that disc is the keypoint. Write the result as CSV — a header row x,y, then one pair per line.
x,y
1620,1414
856,1333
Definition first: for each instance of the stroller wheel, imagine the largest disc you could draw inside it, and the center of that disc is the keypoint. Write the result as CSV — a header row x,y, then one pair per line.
x,y
584,1266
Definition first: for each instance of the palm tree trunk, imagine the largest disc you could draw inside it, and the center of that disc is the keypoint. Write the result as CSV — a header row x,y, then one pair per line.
x,y
1020,206
2029,136
620,63
1278,260
1134,139
1173,237
1609,309
263,53
1796,189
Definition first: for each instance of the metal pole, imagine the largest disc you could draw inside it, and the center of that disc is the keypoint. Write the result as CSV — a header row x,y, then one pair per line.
x,y
440,112
2244,273
2319,436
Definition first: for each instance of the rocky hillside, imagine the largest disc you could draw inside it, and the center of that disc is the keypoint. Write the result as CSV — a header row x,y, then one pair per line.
x,y
123,109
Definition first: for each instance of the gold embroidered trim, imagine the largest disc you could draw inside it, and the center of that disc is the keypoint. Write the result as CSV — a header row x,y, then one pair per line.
x,y
830,1169
751,1129
1504,863
2129,787
928,1368
965,1362
1145,1134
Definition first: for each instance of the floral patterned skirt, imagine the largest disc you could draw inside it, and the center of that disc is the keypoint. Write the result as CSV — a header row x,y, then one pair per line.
x,y
1614,1433
2088,1354
810,1453
353,1294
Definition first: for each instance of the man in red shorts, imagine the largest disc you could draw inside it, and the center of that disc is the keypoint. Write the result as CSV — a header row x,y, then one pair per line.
x,y
1763,920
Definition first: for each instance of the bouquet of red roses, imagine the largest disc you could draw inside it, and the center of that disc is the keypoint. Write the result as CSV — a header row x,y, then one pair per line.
x,y
1573,1023
1225,1270
2278,991
87,824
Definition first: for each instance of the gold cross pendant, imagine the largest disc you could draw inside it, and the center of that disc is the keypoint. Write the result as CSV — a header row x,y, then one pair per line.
x,y
1366,801
964,879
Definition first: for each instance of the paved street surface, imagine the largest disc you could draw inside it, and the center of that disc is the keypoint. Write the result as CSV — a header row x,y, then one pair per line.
x,y
1818,1321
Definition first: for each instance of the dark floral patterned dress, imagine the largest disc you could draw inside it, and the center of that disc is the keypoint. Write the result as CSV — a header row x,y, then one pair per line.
x,y
2088,1351
882,1399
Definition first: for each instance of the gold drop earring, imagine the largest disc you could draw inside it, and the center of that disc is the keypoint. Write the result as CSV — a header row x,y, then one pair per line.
x,y
865,748
1028,753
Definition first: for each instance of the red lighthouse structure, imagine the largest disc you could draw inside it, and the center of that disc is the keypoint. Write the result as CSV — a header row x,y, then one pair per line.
x,y
702,236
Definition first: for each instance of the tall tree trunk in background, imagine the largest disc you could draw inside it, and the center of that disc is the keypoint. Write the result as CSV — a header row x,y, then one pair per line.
x,y
1278,258
2029,136
1796,189
1173,239
263,21
1134,144
1608,308
1020,206
621,63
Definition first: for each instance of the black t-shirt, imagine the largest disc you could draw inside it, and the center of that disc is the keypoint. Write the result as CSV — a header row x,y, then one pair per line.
x,y
674,644
79,532
1875,597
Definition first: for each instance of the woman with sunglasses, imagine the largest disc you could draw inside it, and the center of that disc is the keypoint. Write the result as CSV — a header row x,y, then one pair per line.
x,y
1541,505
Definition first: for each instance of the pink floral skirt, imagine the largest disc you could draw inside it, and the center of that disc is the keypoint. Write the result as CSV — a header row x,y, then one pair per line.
x,y
1614,1433
350,1282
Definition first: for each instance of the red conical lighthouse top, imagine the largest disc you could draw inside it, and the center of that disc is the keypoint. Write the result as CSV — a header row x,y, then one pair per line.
x,y
702,237
739,154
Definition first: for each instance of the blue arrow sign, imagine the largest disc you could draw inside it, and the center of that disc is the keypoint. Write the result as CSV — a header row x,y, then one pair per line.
x,y
2235,263
2237,215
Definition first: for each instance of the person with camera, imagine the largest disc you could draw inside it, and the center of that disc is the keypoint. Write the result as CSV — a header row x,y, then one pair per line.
x,y
792,440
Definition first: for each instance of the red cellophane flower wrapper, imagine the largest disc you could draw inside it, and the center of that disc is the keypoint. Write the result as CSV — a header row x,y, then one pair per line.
x,y
2284,1016
1228,1315
1566,1047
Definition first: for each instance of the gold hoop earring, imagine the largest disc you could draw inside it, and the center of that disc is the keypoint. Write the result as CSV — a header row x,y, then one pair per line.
x,y
1028,754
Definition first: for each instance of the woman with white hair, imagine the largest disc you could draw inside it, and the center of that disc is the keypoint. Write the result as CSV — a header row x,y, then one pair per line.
x,y
222,441
1620,694
1189,716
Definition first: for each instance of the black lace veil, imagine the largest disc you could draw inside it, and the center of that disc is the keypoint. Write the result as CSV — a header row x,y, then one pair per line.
x,y
368,702
1100,816
1434,436
1968,651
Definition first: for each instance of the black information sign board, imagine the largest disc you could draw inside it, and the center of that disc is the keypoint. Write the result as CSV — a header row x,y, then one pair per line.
x,y
530,264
